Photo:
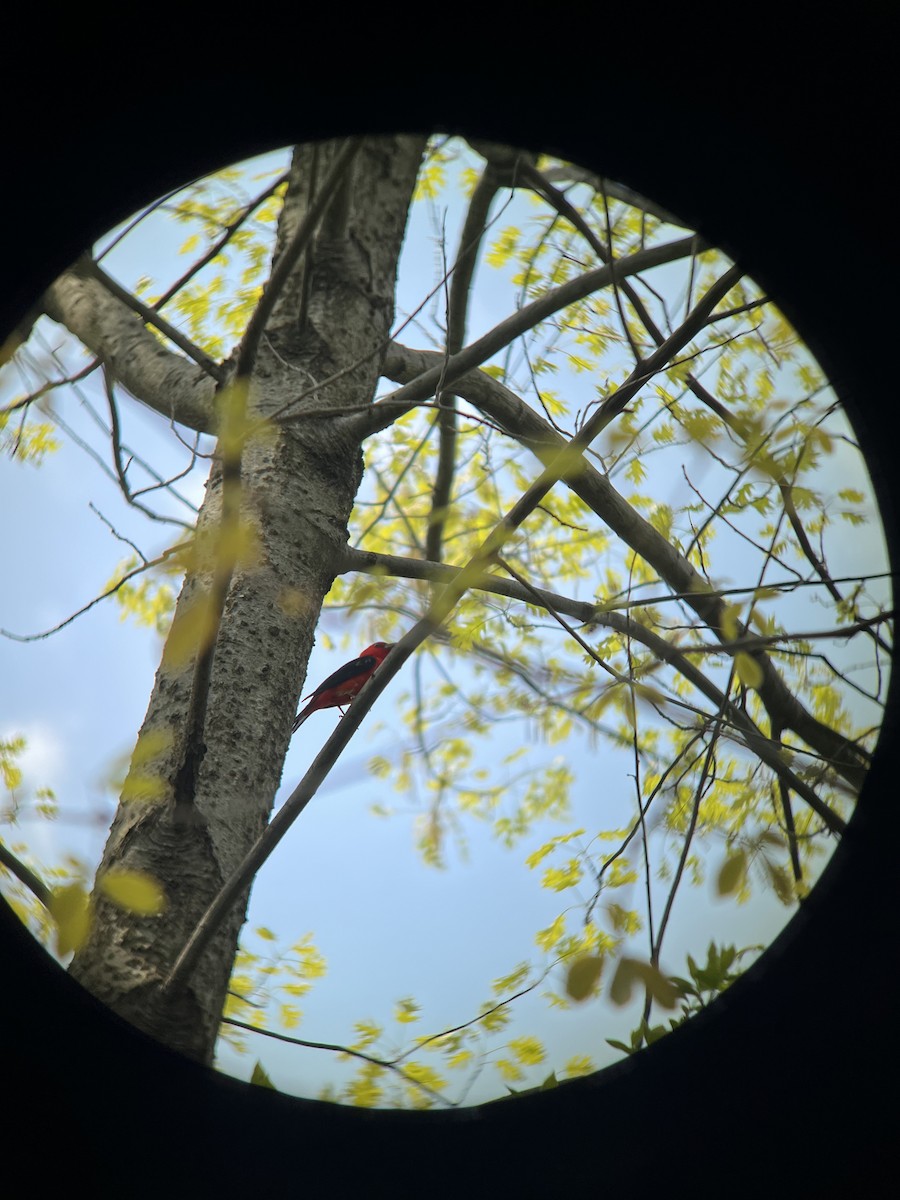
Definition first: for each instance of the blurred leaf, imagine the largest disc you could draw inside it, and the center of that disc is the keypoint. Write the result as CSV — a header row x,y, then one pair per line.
x,y
729,621
528,1050
135,891
508,1069
406,1011
192,630
578,1064
732,874
151,744
70,909
782,882
748,670
143,789
630,971
583,976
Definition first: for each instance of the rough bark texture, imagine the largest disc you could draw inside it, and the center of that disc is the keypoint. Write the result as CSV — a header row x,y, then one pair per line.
x,y
176,387
299,485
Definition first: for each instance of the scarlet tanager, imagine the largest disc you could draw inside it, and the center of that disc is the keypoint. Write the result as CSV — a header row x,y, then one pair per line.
x,y
340,688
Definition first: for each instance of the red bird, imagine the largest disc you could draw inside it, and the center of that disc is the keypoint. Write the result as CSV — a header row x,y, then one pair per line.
x,y
340,688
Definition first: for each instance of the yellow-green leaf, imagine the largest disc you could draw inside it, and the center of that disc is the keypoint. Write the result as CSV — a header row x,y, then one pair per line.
x,y
289,1016
781,882
547,938
732,874
579,1064
631,971
191,632
729,621
70,909
748,669
560,878
143,789
406,1011
135,891
528,1050
508,1069
151,745
583,976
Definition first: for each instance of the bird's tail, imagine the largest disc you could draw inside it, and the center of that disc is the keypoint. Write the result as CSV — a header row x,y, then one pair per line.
x,y
301,717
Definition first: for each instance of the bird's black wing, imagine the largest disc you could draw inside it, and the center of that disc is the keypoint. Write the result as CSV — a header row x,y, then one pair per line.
x,y
348,671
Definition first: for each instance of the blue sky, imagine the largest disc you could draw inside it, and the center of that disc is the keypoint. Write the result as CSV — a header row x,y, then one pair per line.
x,y
388,925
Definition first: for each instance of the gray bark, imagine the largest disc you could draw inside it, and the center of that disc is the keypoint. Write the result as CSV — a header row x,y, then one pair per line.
x,y
298,489
172,385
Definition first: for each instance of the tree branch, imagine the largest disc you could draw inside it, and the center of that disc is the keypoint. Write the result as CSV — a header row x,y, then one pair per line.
x,y
390,407
152,317
218,246
279,824
387,1063
25,875
111,590
177,389
502,406
769,751
120,469
460,286
542,184
616,191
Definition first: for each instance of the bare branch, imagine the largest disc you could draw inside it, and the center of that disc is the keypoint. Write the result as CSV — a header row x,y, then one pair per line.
x,y
165,381
388,1063
49,386
84,400
120,469
218,246
152,317
110,591
705,773
595,489
765,748
784,796
569,172
25,875
386,410
463,273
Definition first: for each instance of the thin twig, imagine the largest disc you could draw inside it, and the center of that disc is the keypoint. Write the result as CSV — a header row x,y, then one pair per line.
x,y
386,1063
151,317
110,591
386,410
474,228
231,229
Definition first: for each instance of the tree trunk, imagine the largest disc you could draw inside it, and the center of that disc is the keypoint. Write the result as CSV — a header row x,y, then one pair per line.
x,y
299,478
